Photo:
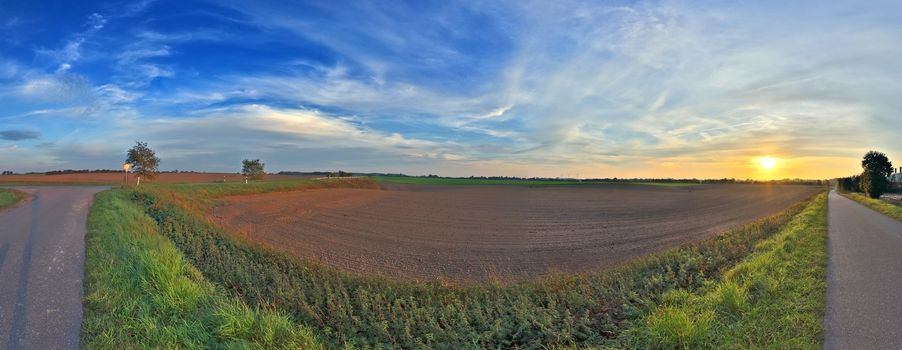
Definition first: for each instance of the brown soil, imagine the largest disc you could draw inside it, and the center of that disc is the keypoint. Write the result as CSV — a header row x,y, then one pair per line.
x,y
474,232
117,178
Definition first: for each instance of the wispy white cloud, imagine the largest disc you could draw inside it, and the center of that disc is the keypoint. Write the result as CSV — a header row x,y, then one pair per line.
x,y
593,84
70,51
262,127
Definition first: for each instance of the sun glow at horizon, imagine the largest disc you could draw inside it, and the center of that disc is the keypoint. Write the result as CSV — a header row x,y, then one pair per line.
x,y
767,163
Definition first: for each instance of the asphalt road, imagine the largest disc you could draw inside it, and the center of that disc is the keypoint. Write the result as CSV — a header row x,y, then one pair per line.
x,y
864,283
42,255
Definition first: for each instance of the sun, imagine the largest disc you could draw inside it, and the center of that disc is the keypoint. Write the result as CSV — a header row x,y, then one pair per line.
x,y
768,162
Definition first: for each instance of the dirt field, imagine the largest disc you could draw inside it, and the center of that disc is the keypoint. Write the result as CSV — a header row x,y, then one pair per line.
x,y
473,232
117,178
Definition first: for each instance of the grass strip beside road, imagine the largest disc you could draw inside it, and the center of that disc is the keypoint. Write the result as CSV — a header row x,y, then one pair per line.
x,y
140,291
888,209
371,311
10,197
773,299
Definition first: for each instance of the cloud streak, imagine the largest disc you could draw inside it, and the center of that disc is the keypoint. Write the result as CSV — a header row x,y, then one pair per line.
x,y
19,135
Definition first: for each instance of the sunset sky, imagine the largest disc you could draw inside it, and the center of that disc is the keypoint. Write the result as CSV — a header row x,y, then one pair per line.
x,y
521,88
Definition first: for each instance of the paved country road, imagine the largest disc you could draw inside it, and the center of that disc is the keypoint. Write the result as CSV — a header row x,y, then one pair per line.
x,y
42,255
864,283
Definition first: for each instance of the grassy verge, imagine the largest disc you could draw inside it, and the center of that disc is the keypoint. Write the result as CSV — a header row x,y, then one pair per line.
x,y
141,292
409,180
889,209
773,299
10,197
369,311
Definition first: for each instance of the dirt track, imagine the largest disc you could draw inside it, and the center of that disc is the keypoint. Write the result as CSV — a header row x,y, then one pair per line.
x,y
473,232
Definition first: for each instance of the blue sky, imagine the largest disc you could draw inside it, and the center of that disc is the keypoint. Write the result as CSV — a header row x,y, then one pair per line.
x,y
596,88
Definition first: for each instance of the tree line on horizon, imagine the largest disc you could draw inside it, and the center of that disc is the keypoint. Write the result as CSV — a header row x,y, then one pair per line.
x,y
873,181
627,180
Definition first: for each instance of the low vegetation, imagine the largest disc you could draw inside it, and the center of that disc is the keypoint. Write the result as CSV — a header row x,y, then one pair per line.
x,y
140,290
774,298
889,209
369,311
10,197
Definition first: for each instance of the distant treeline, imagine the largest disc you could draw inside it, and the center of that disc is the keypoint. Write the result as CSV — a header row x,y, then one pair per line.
x,y
656,180
606,179
328,173
98,171
854,184
849,184
83,171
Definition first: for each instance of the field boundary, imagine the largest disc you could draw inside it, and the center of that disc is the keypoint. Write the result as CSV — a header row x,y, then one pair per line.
x,y
370,311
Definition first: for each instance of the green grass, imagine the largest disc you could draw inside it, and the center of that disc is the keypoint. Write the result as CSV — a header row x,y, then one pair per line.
x,y
773,299
370,311
409,180
889,209
140,291
10,197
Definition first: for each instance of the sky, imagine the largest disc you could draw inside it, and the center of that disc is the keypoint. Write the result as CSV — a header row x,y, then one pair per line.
x,y
518,88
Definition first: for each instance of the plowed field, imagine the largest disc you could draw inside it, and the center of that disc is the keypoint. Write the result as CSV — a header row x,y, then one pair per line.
x,y
475,232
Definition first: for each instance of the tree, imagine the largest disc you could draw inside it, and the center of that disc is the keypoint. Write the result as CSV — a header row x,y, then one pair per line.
x,y
878,162
143,160
252,169
877,168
